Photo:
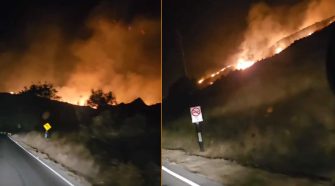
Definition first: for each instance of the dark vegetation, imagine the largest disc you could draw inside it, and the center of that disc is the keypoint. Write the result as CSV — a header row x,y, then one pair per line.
x,y
277,115
116,136
100,99
45,90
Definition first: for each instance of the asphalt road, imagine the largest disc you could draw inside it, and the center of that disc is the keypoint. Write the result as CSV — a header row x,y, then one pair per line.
x,y
176,175
18,168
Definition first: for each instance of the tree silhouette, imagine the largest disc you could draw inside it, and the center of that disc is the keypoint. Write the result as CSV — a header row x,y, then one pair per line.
x,y
99,99
45,90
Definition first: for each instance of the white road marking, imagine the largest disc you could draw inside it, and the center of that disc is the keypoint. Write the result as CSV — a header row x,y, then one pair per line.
x,y
64,179
179,177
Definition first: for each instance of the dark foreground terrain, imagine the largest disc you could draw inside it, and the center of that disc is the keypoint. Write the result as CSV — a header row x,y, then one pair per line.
x,y
122,143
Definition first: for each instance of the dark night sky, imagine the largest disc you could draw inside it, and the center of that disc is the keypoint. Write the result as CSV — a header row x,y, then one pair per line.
x,y
206,26
16,17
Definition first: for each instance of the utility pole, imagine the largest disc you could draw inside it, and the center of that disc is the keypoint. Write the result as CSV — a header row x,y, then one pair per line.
x,y
180,42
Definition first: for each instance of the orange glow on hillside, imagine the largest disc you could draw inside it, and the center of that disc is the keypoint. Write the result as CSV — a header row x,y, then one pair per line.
x,y
243,62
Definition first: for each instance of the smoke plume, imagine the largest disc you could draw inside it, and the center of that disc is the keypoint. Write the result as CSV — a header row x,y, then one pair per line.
x,y
113,54
268,24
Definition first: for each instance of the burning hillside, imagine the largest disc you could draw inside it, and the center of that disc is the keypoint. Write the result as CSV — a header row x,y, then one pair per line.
x,y
244,63
277,116
100,50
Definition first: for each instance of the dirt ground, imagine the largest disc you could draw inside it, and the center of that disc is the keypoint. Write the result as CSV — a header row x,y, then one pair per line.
x,y
230,173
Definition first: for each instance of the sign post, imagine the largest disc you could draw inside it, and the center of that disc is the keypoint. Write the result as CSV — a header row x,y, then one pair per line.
x,y
47,127
196,116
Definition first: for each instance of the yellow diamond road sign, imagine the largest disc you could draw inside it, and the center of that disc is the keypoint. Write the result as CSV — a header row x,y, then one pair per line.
x,y
47,126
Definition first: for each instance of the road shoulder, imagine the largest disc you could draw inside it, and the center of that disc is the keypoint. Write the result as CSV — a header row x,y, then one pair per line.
x,y
231,173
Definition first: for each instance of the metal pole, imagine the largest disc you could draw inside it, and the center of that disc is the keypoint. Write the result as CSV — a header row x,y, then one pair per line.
x,y
198,130
180,38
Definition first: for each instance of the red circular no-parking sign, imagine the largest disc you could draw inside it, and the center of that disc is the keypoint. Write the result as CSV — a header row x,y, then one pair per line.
x,y
195,111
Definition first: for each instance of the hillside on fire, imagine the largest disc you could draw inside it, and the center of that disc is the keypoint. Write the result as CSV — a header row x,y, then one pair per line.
x,y
114,145
276,114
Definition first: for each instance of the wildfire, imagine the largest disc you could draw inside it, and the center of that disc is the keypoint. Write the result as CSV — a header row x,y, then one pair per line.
x,y
201,80
242,63
81,100
74,96
210,80
278,50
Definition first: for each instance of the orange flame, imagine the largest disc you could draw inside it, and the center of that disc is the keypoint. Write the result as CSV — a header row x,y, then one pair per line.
x,y
277,48
243,64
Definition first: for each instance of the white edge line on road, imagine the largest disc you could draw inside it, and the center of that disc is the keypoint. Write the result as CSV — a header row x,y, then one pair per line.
x,y
64,179
179,177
